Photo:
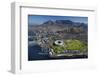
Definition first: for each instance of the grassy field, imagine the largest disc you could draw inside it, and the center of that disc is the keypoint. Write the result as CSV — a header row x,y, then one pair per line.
x,y
70,45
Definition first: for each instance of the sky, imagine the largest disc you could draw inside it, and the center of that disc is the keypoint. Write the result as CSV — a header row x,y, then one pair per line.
x,y
39,19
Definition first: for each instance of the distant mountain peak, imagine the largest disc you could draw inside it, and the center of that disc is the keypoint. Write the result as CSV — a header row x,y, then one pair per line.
x,y
49,22
64,22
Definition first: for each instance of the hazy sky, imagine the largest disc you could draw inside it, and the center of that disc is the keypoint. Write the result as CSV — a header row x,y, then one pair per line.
x,y
39,19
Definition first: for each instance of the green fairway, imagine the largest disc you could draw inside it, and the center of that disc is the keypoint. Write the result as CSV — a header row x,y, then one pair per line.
x,y
75,45
69,45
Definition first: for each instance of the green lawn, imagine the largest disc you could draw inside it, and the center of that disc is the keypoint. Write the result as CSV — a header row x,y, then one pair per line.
x,y
69,45
75,45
